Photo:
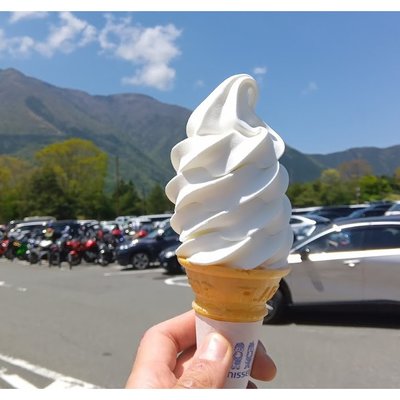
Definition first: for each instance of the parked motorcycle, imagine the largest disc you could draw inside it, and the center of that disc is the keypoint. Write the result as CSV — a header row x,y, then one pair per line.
x,y
91,250
17,247
39,250
75,248
58,250
4,245
54,254
106,253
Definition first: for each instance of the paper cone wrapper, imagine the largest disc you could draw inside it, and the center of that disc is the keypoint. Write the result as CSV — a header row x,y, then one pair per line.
x,y
232,302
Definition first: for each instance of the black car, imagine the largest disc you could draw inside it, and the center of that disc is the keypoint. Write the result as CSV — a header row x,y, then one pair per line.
x,y
140,253
70,226
169,261
333,212
374,210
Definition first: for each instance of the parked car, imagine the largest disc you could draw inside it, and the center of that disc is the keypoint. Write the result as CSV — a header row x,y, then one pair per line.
x,y
353,262
333,212
303,226
27,228
305,210
140,253
70,226
108,225
374,210
38,218
394,209
157,218
169,261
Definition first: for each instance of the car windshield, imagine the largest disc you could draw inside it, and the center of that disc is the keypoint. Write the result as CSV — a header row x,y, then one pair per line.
x,y
342,240
154,233
318,229
30,228
395,207
357,213
356,238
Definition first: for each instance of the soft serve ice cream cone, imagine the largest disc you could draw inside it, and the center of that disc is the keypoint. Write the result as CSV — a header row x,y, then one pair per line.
x,y
232,215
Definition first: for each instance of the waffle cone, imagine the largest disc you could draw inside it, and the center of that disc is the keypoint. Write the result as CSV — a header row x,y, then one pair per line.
x,y
229,294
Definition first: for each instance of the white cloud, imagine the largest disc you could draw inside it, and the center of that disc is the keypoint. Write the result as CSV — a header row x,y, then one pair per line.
x,y
151,49
21,46
18,46
259,70
24,15
156,75
3,39
70,34
310,88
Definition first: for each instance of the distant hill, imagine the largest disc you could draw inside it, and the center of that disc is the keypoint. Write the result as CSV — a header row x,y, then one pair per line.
x,y
137,129
383,161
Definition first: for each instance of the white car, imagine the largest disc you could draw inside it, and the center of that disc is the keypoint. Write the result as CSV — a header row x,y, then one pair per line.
x,y
108,225
25,228
304,226
394,209
354,262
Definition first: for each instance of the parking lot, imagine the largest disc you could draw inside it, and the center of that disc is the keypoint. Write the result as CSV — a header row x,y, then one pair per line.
x,y
80,328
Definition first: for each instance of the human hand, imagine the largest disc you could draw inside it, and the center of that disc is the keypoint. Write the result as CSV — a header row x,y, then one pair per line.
x,y
167,358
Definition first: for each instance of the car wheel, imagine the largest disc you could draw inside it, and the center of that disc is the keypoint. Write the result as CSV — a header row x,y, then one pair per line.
x,y
140,261
177,268
276,308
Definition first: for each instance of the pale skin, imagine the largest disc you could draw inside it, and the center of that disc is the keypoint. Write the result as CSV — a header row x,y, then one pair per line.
x,y
167,358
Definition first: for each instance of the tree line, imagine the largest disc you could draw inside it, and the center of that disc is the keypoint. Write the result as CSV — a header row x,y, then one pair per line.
x,y
67,180
352,182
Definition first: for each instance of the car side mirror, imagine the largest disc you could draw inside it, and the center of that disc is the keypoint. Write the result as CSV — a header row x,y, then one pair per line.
x,y
304,254
159,235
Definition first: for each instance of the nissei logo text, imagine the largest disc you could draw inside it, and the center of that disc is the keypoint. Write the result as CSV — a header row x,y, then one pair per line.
x,y
238,375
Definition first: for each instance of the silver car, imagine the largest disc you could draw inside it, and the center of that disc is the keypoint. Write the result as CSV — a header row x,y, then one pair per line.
x,y
303,225
350,262
394,209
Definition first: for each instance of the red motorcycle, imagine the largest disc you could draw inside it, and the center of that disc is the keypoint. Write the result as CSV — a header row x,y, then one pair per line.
x,y
91,250
4,245
75,248
78,249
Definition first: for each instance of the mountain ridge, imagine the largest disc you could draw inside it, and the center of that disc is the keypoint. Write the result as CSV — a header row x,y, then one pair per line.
x,y
382,160
134,128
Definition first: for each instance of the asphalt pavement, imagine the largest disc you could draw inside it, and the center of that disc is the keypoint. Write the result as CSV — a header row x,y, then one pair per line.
x,y
62,328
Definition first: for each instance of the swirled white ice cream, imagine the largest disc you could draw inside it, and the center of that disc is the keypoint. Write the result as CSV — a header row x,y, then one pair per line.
x,y
229,191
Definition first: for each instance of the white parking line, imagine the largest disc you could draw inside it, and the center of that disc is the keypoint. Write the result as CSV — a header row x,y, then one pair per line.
x,y
15,381
64,383
177,281
8,285
62,380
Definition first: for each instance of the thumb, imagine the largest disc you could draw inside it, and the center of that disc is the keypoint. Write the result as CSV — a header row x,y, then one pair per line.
x,y
209,366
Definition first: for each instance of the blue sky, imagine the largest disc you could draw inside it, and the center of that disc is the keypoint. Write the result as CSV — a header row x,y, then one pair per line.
x,y
328,81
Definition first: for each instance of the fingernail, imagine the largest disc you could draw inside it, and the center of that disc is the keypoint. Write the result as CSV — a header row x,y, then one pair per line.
x,y
213,348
